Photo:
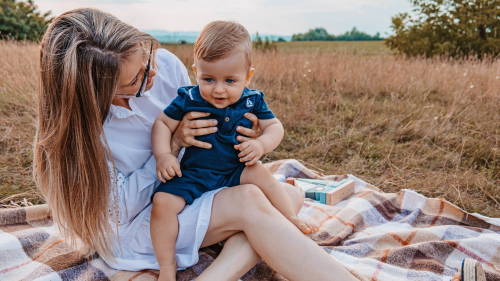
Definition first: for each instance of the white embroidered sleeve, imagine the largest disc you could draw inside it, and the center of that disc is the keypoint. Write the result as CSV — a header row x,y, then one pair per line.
x,y
130,195
117,180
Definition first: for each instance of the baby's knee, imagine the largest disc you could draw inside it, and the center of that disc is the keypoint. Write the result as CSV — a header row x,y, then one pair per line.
x,y
257,166
166,203
255,172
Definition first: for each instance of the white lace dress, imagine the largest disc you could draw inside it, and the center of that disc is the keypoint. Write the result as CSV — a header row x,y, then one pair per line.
x,y
129,137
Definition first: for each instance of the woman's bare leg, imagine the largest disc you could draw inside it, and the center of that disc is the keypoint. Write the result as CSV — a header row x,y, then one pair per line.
x,y
272,236
238,256
236,259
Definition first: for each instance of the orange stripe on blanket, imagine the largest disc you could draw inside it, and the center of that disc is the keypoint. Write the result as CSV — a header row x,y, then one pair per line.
x,y
34,259
379,265
366,193
48,248
144,271
404,242
14,267
441,208
334,217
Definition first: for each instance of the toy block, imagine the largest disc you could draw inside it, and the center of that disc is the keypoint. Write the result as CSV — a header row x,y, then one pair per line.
x,y
290,180
325,191
340,193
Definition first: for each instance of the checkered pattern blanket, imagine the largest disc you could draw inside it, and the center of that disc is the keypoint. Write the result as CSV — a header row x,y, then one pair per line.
x,y
375,235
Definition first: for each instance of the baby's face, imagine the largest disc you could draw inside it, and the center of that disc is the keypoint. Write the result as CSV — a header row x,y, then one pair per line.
x,y
222,81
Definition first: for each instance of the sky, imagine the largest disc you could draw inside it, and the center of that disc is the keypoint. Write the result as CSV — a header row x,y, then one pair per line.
x,y
277,17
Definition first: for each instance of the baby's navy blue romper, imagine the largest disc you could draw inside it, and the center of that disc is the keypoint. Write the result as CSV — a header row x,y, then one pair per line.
x,y
208,169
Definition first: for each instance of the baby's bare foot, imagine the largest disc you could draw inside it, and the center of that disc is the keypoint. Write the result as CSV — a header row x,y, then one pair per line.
x,y
305,225
457,277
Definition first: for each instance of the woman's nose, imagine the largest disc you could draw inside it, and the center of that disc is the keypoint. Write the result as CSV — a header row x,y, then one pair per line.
x,y
152,72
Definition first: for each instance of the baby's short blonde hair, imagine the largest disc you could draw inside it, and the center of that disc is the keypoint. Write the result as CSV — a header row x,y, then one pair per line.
x,y
220,38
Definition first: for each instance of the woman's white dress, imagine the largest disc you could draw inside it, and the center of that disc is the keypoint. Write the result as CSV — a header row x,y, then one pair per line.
x,y
128,134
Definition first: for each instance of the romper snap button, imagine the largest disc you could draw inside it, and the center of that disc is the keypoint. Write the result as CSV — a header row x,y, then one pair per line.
x,y
227,119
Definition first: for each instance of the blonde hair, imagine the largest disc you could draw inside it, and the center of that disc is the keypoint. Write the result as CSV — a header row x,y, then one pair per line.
x,y
219,39
81,54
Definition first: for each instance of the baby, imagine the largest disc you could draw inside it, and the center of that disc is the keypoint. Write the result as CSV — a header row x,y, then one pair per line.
x,y
223,54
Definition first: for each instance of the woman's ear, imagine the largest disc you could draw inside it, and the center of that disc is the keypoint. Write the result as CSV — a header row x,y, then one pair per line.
x,y
249,76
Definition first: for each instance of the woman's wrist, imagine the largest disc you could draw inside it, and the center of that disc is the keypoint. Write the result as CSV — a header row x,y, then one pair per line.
x,y
175,148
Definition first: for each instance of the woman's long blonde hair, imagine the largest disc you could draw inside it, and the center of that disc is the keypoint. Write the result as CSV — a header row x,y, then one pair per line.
x,y
81,55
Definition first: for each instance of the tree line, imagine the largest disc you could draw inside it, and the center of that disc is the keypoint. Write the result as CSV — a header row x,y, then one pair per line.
x,y
320,34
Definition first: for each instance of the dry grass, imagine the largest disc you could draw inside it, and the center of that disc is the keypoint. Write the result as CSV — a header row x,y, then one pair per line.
x,y
428,125
18,84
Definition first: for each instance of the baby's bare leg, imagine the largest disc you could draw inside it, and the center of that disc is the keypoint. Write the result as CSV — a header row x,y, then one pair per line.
x,y
164,228
258,175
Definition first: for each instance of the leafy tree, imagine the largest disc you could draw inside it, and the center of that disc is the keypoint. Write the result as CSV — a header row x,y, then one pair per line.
x,y
280,39
20,20
320,34
457,28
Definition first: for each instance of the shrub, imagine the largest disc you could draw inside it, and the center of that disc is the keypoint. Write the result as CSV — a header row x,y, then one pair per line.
x,y
456,28
266,45
20,20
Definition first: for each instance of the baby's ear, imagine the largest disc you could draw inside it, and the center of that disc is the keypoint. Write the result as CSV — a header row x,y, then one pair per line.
x,y
249,76
194,68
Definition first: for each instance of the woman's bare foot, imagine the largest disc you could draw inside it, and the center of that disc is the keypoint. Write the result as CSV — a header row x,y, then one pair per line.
x,y
168,272
305,225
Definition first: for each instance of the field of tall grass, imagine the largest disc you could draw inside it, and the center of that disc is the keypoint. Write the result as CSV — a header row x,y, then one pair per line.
x,y
431,125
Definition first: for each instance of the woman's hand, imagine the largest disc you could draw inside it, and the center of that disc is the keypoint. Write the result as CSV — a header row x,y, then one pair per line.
x,y
250,133
189,127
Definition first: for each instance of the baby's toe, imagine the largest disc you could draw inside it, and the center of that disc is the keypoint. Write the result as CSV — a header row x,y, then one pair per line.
x,y
305,228
311,227
315,227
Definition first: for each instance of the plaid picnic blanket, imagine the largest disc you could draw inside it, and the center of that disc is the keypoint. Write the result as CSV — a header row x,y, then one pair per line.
x,y
375,235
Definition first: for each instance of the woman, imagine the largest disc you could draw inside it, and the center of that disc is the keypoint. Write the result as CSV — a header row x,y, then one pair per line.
x,y
91,65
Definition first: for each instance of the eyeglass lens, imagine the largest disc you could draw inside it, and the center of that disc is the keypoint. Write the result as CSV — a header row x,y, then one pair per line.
x,y
142,89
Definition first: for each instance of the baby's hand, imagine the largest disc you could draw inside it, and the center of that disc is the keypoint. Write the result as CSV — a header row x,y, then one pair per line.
x,y
251,151
167,166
